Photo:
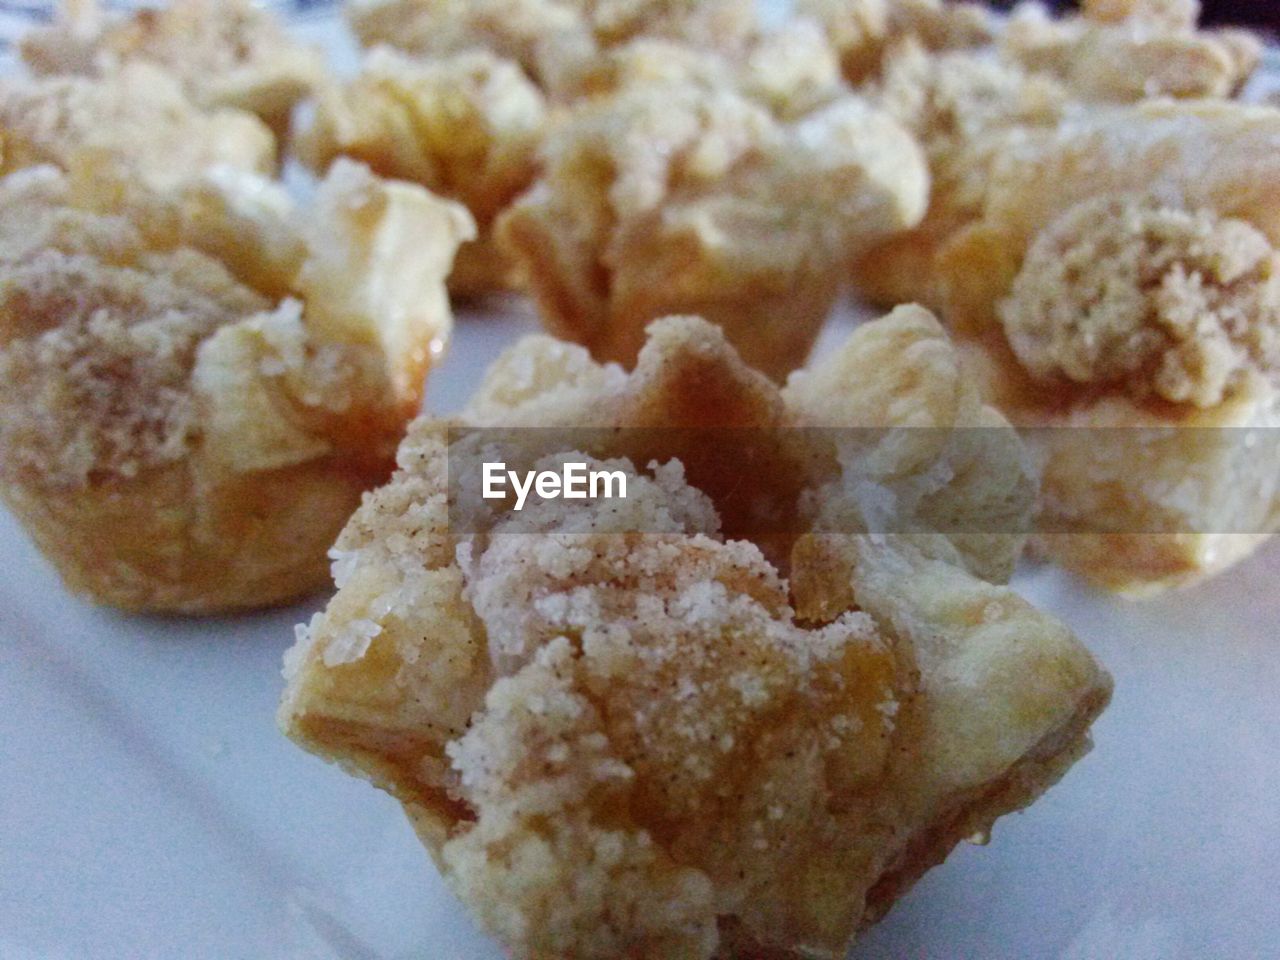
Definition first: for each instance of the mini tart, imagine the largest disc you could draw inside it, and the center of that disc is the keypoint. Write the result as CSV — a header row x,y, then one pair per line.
x,y
1123,52
1145,492
672,198
138,119
537,34
972,102
199,385
224,53
621,729
465,126
864,30
967,109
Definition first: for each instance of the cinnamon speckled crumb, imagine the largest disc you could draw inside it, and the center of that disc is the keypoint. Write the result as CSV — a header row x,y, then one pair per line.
x,y
200,380
137,116
623,731
1154,299
225,53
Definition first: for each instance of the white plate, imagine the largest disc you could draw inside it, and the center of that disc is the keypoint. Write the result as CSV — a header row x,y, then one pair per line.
x,y
150,809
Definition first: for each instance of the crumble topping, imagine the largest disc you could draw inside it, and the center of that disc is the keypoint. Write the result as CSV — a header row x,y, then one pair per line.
x,y
659,719
101,384
1156,299
222,52
138,117
466,126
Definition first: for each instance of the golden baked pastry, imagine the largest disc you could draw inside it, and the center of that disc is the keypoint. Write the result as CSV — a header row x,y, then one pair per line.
x,y
791,69
137,118
199,385
225,53
621,729
511,29
967,109
1137,302
673,197
1129,50
465,126
862,30
970,101
538,33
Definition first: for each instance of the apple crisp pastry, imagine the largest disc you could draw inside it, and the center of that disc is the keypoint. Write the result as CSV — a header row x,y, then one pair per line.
x,y
1129,50
621,729
538,33
1137,304
466,126
138,119
970,101
673,197
199,384
224,53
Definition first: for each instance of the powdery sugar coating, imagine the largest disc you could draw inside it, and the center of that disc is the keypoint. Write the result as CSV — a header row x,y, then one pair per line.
x,y
225,53
669,744
138,117
201,380
672,198
1153,299
660,703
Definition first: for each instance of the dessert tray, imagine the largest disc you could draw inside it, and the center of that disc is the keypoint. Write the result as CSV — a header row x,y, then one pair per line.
x,y
151,809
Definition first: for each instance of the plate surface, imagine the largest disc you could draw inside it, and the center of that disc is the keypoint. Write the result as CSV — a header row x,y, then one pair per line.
x,y
150,809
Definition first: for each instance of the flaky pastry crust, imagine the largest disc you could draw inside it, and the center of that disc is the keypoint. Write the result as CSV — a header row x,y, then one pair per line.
x,y
1126,52
138,119
864,30
621,730
225,53
967,108
184,430
1167,371
465,126
673,197
539,33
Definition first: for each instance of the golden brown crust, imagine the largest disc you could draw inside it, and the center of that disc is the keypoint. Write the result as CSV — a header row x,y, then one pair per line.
x,y
971,819
669,198
966,108
138,118
1135,510
164,542
1131,51
177,439
622,732
465,126
225,53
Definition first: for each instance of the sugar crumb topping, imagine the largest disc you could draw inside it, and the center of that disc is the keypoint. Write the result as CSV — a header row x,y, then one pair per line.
x,y
1131,293
99,377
